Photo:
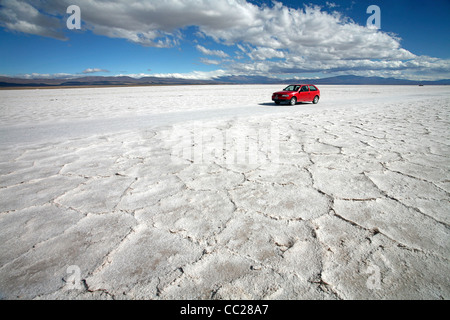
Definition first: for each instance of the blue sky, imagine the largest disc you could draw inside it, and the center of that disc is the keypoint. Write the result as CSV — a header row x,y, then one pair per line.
x,y
203,39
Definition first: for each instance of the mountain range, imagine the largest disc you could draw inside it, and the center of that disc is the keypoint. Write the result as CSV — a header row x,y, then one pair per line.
x,y
10,82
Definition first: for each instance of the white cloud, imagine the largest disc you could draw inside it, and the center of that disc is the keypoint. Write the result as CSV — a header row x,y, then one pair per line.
x,y
304,40
17,15
209,61
194,75
331,5
47,76
218,53
94,70
263,53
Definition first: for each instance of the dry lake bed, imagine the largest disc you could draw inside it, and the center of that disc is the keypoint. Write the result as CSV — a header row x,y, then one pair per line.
x,y
214,192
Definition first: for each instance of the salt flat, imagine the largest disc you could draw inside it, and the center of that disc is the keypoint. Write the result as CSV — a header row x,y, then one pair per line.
x,y
213,192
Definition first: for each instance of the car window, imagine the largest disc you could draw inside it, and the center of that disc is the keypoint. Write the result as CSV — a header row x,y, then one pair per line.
x,y
312,88
296,88
304,89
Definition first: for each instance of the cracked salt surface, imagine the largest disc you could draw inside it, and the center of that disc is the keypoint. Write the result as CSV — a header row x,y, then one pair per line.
x,y
347,199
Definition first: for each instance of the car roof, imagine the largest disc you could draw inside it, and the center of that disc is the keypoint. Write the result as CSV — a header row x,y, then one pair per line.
x,y
302,84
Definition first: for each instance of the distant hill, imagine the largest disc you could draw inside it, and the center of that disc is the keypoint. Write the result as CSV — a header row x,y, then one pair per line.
x,y
8,82
95,81
347,80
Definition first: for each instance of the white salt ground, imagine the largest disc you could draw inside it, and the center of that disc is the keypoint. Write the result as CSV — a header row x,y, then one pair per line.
x,y
213,192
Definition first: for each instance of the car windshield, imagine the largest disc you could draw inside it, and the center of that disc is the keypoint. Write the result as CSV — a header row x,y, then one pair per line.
x,y
291,88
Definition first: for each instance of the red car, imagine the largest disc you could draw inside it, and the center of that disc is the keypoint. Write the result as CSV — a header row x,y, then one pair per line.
x,y
297,93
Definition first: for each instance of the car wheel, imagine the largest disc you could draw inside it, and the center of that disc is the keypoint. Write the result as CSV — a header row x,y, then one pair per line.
x,y
316,100
293,101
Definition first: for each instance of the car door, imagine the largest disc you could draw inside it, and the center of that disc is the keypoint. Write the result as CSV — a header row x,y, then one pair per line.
x,y
304,94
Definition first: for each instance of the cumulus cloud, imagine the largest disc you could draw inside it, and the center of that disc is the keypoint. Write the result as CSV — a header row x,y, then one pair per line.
x,y
209,61
299,40
218,53
94,70
21,16
263,53
194,75
47,76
